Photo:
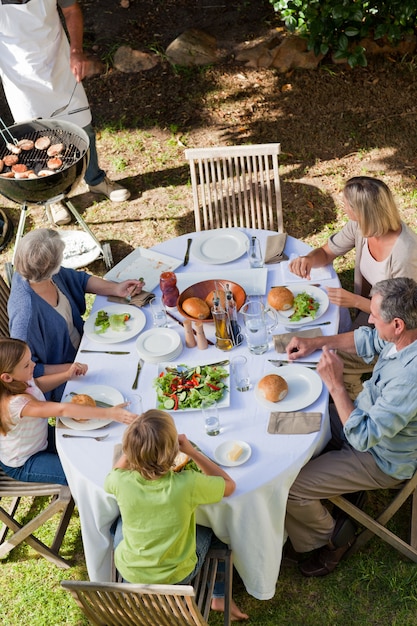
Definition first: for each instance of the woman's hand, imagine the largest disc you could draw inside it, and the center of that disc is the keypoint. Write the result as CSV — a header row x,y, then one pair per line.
x,y
341,297
128,288
301,266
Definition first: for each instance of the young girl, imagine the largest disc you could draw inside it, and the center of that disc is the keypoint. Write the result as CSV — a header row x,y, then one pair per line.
x,y
27,444
161,542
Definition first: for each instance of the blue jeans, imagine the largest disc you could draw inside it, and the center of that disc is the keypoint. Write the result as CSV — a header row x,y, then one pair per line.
x,y
42,467
93,174
205,539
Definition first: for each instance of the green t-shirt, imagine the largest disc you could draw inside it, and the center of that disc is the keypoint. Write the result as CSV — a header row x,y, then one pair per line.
x,y
159,522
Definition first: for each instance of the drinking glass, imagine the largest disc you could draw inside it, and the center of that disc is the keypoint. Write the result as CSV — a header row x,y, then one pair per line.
x,y
135,404
211,417
159,315
256,326
240,373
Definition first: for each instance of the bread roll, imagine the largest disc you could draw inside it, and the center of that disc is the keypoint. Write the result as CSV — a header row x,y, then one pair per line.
x,y
180,461
280,298
273,387
197,308
220,294
83,398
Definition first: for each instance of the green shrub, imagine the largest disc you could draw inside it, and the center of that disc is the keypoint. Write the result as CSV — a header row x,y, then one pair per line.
x,y
339,25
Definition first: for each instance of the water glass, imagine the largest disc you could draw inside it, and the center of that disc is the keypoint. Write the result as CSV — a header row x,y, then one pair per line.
x,y
256,326
135,404
211,417
240,373
159,315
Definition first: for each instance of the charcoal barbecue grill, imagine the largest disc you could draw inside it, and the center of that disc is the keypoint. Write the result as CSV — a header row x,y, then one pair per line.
x,y
50,188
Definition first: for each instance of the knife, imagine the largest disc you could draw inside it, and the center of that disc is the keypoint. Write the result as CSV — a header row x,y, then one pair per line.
x,y
135,382
187,252
279,362
105,351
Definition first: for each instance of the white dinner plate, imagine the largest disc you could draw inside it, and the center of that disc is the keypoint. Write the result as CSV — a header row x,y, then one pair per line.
x,y
158,344
304,387
317,293
222,451
221,245
143,263
101,393
134,325
221,404
80,249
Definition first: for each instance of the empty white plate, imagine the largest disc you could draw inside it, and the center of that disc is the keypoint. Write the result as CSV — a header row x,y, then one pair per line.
x,y
221,245
159,344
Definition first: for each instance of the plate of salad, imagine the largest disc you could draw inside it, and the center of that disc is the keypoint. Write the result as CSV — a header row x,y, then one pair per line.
x,y
114,323
310,303
184,387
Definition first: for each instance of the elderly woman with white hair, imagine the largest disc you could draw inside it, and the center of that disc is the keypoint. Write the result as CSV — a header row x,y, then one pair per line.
x,y
47,302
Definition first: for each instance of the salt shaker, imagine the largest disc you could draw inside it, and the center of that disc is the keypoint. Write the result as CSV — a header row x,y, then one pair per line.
x,y
201,338
190,341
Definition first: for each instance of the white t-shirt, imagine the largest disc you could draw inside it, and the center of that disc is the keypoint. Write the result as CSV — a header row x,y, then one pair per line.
x,y
372,271
27,435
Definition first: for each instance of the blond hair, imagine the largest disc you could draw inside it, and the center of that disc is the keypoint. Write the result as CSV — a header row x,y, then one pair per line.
x,y
373,205
150,444
11,353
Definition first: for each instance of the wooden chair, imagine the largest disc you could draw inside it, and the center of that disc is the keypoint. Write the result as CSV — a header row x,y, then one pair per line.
x,y
203,583
61,503
4,317
236,186
14,490
377,526
125,604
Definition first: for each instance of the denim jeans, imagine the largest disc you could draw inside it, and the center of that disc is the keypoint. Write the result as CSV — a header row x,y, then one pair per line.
x,y
42,467
93,174
205,539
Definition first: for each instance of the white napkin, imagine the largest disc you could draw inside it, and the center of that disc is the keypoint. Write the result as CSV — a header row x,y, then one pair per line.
x,y
316,275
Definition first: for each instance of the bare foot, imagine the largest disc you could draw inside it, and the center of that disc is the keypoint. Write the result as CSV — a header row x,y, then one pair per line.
x,y
217,604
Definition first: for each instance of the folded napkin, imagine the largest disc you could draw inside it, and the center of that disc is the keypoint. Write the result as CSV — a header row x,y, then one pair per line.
x,y
281,341
316,275
139,300
294,423
274,252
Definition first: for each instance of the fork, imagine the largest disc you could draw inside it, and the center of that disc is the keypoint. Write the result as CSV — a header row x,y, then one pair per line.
x,y
135,382
101,438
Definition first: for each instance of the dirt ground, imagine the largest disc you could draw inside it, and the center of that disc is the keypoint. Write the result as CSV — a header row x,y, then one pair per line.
x,y
332,123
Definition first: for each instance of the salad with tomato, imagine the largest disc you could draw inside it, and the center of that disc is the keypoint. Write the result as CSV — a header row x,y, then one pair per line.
x,y
186,387
304,306
115,321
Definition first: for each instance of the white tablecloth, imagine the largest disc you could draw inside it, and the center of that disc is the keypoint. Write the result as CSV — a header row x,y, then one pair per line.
x,y
251,521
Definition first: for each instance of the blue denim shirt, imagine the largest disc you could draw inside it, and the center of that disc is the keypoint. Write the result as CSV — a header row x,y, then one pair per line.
x,y
384,420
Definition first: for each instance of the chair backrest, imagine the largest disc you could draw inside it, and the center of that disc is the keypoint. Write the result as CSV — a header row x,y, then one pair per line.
x,y
236,186
125,604
4,317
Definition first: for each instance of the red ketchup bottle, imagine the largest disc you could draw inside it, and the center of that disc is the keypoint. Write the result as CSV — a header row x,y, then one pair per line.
x,y
168,285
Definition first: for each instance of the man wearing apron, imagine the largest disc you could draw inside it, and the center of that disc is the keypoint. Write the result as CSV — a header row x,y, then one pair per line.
x,y
39,69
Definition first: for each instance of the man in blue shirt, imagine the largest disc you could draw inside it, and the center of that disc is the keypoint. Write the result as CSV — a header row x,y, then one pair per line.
x,y
374,438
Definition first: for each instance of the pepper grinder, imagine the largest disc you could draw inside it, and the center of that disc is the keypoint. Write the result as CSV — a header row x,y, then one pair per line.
x,y
201,338
190,341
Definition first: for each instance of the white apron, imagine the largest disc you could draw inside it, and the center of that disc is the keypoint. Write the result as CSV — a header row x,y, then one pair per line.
x,y
34,63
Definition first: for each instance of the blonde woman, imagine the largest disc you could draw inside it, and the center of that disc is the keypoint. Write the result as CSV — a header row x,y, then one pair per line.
x,y
385,247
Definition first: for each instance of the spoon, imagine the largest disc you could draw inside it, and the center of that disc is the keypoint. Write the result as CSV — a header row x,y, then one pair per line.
x,y
101,438
61,109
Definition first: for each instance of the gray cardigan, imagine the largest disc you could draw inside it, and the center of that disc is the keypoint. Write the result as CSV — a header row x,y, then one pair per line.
x,y
401,262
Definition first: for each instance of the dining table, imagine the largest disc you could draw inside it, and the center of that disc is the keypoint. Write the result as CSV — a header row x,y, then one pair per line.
x,y
251,520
